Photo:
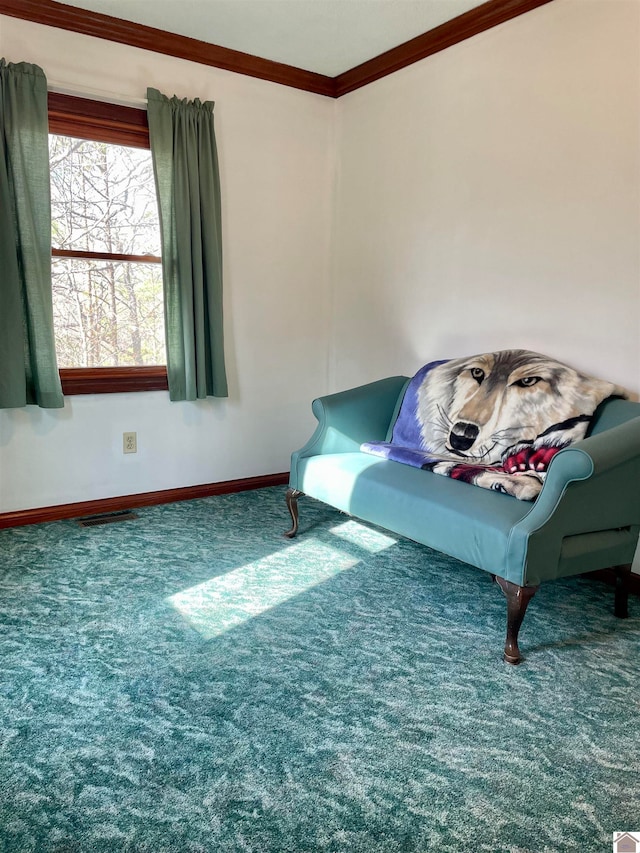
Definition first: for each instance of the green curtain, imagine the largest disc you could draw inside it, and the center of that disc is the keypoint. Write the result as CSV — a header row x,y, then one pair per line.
x,y
28,369
185,162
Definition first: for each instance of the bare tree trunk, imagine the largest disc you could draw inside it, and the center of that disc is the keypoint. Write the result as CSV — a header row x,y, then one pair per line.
x,y
90,317
110,271
132,303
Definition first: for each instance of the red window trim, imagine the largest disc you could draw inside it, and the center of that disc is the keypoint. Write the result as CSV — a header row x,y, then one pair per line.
x,y
113,380
96,120
105,256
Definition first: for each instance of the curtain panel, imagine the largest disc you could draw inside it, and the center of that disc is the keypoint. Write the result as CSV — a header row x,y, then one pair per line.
x,y
185,161
28,368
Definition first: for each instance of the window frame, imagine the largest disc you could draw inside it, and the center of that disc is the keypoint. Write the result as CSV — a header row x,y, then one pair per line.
x,y
103,122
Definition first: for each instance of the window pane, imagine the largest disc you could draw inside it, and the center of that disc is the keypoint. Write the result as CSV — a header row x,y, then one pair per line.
x,y
108,313
103,197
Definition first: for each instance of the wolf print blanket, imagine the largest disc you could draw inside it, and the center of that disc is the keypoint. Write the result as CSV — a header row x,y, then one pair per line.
x,y
495,420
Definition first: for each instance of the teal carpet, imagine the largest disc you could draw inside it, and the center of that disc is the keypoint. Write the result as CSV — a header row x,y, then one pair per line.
x,y
191,681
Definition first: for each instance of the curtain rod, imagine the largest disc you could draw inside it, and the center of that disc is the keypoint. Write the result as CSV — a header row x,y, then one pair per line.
x,y
95,94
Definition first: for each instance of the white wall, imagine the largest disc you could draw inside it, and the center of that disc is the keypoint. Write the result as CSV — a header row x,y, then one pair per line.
x,y
276,152
486,197
489,198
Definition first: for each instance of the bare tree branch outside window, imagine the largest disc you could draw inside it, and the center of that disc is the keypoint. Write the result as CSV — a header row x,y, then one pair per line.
x,y
108,306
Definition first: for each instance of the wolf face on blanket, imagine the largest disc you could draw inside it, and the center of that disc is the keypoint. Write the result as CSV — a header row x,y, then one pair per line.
x,y
495,420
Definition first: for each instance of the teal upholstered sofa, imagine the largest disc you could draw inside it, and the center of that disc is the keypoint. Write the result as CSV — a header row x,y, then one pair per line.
x,y
587,516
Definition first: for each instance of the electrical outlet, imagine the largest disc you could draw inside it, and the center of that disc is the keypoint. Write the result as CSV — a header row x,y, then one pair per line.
x,y
129,442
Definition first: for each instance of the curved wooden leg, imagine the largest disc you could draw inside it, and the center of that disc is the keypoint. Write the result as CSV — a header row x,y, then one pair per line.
x,y
292,505
621,605
518,597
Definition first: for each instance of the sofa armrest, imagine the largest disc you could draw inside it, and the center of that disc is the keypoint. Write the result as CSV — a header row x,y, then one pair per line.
x,y
591,486
347,419
607,460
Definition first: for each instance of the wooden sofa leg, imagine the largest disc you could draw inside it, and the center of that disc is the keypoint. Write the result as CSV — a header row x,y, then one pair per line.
x,y
518,597
621,605
292,505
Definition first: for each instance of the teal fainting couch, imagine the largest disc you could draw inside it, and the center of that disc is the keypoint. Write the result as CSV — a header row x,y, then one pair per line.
x,y
587,516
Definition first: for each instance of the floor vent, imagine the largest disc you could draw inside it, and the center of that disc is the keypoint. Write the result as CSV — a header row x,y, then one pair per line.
x,y
107,518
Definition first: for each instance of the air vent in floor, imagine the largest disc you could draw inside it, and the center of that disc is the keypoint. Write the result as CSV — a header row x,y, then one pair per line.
x,y
107,518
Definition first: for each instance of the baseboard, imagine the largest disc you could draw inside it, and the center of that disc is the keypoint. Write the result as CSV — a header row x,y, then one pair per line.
x,y
38,515
608,576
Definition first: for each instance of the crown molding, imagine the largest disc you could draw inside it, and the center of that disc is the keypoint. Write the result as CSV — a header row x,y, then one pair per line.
x,y
471,23
452,32
60,15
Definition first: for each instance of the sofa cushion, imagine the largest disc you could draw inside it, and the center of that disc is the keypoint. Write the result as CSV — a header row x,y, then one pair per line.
x,y
466,522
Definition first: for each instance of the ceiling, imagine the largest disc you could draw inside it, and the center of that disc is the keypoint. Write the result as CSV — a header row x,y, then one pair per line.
x,y
325,36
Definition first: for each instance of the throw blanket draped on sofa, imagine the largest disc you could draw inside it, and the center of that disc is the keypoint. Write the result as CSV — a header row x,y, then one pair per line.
x,y
495,420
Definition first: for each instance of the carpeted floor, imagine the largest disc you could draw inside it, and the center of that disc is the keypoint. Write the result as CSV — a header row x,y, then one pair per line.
x,y
191,681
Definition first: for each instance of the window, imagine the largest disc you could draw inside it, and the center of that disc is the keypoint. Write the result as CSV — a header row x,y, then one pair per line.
x,y
106,266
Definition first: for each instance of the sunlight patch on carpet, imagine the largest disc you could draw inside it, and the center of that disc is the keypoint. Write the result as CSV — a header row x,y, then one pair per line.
x,y
372,541
224,602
